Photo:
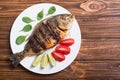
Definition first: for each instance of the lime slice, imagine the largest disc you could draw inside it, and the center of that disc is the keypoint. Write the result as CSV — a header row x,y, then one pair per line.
x,y
37,60
44,61
51,60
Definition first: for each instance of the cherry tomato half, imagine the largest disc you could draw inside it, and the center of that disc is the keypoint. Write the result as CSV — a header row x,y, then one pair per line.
x,y
58,56
67,42
63,49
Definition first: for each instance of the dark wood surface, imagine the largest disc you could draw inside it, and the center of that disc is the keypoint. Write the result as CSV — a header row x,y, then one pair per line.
x,y
99,55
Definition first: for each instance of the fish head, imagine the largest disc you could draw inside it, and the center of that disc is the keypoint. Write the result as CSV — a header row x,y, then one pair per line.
x,y
65,21
67,18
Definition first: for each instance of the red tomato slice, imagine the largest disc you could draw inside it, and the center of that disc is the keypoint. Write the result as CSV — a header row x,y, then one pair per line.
x,y
67,42
63,49
58,56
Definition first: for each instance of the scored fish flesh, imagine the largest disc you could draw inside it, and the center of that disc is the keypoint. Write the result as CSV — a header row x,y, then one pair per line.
x,y
46,34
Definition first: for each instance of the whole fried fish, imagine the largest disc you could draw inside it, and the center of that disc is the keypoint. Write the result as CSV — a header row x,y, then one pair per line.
x,y
47,34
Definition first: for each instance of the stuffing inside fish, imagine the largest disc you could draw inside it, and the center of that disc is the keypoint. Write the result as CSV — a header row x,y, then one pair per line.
x,y
46,34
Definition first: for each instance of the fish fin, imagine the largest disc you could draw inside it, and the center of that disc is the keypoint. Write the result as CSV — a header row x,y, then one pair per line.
x,y
16,58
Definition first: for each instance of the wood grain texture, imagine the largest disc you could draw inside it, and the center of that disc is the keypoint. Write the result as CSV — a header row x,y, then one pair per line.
x,y
99,56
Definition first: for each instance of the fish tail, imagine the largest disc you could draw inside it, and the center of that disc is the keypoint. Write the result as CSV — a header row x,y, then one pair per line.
x,y
16,58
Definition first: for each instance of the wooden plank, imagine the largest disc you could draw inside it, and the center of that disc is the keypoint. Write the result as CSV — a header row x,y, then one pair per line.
x,y
85,7
99,49
78,69
100,27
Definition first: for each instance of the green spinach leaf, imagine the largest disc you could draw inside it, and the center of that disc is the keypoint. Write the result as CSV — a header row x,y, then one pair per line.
x,y
51,10
27,28
20,39
40,15
27,19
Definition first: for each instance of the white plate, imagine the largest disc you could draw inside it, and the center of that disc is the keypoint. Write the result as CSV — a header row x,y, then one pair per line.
x,y
19,24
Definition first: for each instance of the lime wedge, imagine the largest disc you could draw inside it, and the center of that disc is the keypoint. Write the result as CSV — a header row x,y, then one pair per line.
x,y
37,60
44,61
51,60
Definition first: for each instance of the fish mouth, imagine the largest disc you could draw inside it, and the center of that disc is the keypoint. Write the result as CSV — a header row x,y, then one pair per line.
x,y
70,18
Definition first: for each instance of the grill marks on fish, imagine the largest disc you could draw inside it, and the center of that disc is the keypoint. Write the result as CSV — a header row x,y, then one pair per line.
x,y
33,45
43,36
52,28
42,32
48,29
39,40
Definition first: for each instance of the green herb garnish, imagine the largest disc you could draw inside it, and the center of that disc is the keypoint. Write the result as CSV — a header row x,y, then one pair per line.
x,y
27,28
51,10
27,19
20,39
40,15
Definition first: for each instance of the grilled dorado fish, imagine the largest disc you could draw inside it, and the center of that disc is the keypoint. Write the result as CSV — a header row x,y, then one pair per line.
x,y
47,34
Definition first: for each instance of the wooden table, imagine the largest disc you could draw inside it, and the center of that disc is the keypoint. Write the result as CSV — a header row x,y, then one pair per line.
x,y
99,56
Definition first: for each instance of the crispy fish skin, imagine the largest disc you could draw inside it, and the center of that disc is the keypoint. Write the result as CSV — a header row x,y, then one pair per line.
x,y
46,34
